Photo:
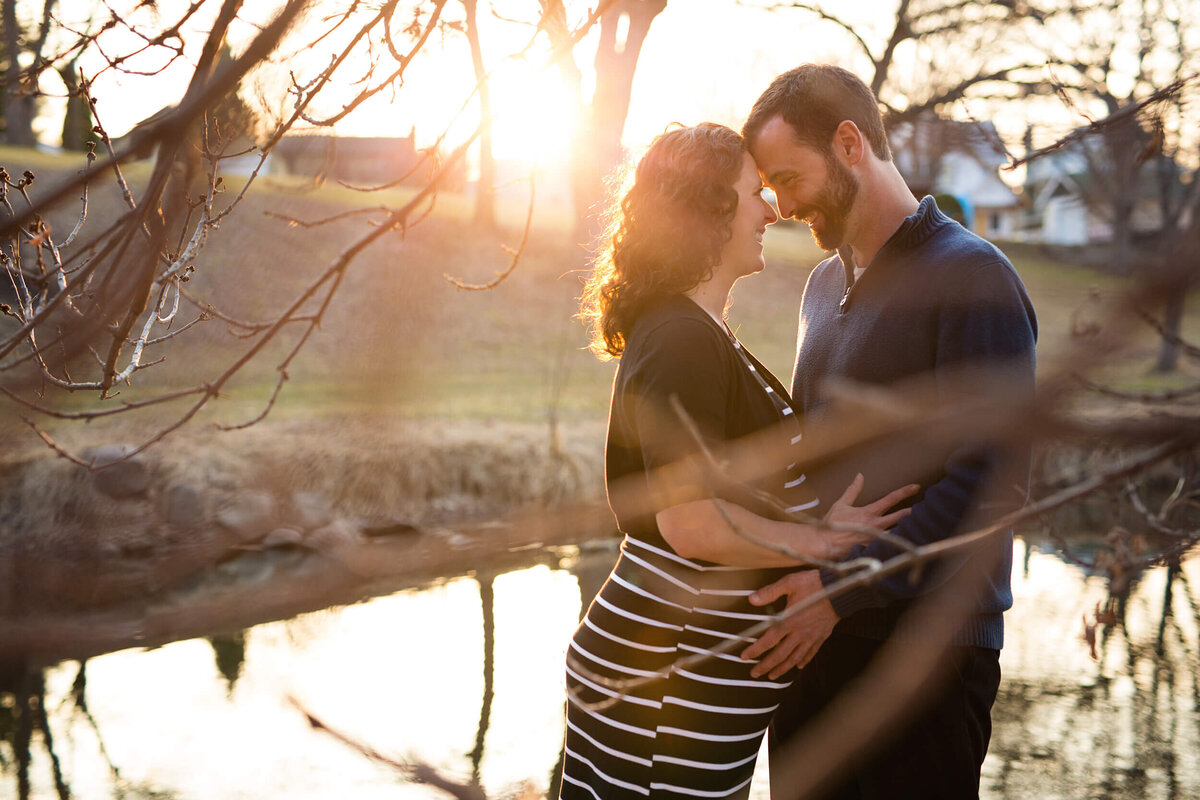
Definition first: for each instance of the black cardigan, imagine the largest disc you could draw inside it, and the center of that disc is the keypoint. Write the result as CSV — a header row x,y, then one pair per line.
x,y
677,349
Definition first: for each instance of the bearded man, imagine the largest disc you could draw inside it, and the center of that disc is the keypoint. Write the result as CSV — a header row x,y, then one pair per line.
x,y
910,296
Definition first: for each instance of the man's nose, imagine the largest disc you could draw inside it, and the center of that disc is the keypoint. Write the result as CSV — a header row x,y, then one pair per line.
x,y
786,206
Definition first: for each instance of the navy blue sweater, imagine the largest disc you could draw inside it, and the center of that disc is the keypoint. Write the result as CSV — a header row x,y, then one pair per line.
x,y
936,299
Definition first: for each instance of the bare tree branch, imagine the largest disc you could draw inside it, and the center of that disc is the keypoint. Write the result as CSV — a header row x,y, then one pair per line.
x,y
415,771
501,275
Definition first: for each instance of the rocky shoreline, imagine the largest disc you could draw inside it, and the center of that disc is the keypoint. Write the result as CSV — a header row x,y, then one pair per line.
x,y
284,509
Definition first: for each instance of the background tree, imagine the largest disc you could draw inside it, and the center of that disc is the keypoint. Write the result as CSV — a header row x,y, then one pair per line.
x,y
78,121
928,54
20,87
1100,58
597,148
1141,166
485,199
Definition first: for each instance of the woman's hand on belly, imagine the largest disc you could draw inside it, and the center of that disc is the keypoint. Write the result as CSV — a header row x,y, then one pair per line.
x,y
855,525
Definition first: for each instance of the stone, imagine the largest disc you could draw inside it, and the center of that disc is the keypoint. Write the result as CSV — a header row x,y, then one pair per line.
x,y
185,506
245,569
249,515
310,510
117,474
377,529
282,537
336,534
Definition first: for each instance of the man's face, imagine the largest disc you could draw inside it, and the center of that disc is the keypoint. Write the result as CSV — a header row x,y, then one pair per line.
x,y
811,186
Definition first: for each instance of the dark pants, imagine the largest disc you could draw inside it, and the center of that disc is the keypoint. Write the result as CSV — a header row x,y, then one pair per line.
x,y
936,754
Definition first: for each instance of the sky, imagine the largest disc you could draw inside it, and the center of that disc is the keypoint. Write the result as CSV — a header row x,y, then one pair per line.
x,y
703,60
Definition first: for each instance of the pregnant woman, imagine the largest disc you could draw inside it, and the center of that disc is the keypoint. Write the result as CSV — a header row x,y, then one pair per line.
x,y
689,226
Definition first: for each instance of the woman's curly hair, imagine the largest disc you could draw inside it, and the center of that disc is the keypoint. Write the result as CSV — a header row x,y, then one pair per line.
x,y
666,232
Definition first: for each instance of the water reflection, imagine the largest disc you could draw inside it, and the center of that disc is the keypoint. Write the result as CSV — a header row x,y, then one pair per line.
x,y
22,714
487,602
230,652
467,676
1125,725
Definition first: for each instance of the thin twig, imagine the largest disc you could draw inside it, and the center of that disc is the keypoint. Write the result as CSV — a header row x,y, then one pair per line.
x,y
501,275
415,771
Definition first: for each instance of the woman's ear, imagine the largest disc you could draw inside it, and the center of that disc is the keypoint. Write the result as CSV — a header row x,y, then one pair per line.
x,y
849,144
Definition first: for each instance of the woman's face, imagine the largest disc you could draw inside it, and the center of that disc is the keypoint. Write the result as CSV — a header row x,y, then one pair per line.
x,y
743,254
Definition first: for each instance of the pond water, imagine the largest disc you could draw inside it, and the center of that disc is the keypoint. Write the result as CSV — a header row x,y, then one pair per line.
x,y
405,674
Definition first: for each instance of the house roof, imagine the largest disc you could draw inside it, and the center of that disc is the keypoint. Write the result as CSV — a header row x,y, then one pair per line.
x,y
346,146
929,133
1079,168
962,159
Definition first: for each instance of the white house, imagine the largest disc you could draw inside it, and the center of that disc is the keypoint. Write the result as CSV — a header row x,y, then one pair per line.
x,y
959,164
1069,193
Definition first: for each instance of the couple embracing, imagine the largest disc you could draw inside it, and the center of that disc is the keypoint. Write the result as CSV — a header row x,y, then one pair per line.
x,y
708,551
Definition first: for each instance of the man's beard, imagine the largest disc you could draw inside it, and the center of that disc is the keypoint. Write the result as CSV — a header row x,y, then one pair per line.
x,y
834,203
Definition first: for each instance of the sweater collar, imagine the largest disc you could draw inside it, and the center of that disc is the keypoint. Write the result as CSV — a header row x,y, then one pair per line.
x,y
915,229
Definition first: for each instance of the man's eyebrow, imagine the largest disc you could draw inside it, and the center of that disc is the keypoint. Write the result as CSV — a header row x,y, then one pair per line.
x,y
781,175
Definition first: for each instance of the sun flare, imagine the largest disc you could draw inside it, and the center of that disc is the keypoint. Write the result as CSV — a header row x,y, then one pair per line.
x,y
535,116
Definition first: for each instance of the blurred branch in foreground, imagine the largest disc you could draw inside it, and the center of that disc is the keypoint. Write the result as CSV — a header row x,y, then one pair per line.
x,y
414,771
88,312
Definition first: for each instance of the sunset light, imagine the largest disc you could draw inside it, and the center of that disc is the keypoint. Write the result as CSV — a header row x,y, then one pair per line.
x,y
547,399
534,119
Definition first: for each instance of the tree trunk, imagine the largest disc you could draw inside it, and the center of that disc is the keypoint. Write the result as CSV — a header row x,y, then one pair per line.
x,y
487,599
77,121
616,62
1122,236
485,214
1168,354
18,108
600,134
1117,185
1177,242
1178,277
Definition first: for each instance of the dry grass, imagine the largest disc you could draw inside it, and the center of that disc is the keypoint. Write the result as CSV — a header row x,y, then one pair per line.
x,y
371,468
418,473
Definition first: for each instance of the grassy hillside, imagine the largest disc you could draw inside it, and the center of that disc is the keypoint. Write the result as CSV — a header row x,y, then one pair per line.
x,y
402,341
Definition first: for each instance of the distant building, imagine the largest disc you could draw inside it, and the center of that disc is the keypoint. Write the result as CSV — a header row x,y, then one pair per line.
x,y
959,164
1071,190
362,161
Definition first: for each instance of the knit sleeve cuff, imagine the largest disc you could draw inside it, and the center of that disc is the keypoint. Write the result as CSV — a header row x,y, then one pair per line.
x,y
853,600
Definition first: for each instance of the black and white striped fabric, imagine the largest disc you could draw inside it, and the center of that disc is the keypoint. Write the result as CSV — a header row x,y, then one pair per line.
x,y
697,731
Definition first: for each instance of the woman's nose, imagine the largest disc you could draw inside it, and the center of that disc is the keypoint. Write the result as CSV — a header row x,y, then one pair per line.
x,y
771,216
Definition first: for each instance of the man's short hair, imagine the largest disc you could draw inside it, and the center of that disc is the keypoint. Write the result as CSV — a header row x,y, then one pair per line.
x,y
814,99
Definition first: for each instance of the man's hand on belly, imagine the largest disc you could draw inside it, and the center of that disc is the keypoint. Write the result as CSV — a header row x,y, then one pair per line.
x,y
791,642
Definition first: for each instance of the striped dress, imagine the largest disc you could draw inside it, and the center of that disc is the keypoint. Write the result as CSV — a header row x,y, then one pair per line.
x,y
697,731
